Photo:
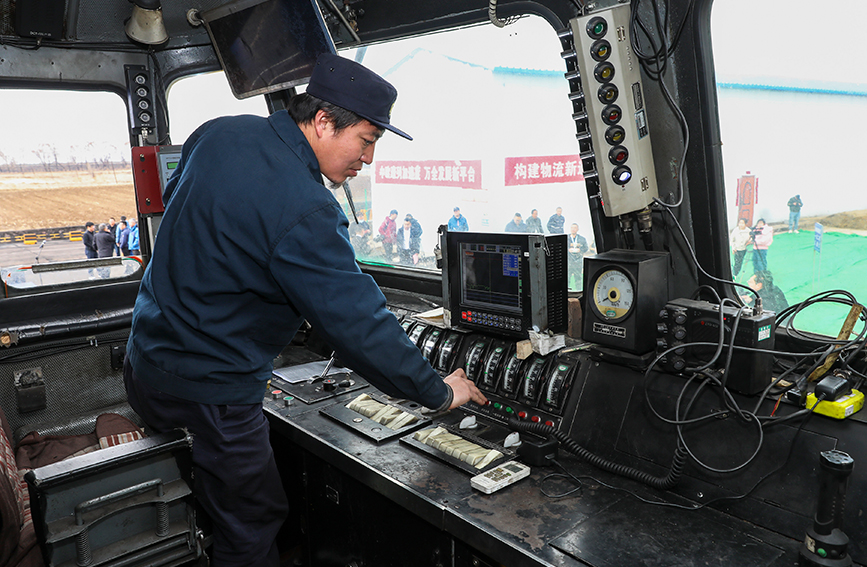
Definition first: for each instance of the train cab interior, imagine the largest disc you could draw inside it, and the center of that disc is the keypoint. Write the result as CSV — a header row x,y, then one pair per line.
x,y
635,225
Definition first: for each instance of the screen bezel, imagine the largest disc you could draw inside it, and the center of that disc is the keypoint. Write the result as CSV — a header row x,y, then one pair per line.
x,y
246,90
453,267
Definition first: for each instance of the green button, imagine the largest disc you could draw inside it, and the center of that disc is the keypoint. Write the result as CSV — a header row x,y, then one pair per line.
x,y
821,552
509,410
497,405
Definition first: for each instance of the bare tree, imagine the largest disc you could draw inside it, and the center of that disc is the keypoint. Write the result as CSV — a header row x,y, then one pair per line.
x,y
43,154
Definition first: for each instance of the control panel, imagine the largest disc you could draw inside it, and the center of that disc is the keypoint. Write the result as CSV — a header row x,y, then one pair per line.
x,y
535,389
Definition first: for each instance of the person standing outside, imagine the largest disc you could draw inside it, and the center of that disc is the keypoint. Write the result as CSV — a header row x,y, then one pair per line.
x,y
516,224
739,238
123,238
557,222
89,240
534,223
134,243
200,350
762,237
104,242
112,228
408,242
457,222
794,205
577,248
388,233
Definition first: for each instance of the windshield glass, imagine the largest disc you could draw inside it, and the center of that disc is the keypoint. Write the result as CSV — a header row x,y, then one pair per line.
x,y
494,147
64,162
789,105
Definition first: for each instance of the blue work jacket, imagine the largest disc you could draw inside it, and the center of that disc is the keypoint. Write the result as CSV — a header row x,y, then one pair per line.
x,y
250,246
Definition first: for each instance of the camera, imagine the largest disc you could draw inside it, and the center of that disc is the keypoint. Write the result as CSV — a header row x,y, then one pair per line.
x,y
754,232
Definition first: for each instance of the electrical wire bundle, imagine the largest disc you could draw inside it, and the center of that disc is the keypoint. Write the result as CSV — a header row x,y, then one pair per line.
x,y
653,50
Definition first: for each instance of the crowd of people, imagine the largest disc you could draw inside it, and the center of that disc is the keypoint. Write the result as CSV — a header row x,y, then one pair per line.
x,y
111,238
401,240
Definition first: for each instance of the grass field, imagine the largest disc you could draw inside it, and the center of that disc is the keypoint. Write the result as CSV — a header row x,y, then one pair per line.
x,y
801,272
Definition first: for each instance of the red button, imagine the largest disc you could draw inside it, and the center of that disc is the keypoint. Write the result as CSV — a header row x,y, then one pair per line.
x,y
463,314
535,419
549,423
522,414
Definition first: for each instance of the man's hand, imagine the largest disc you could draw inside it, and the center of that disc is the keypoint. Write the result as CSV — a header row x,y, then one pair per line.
x,y
463,389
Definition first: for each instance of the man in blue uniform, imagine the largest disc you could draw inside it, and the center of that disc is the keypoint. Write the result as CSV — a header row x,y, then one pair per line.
x,y
457,222
216,306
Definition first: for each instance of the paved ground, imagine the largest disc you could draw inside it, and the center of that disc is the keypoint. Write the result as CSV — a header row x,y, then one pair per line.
x,y
17,254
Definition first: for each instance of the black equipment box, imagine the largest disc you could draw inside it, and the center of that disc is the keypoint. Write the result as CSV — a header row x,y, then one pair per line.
x,y
623,293
40,18
686,321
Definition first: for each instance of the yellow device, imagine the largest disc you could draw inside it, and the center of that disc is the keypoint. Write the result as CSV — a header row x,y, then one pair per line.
x,y
840,408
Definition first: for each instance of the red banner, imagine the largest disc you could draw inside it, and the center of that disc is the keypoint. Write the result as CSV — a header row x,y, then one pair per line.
x,y
431,173
543,169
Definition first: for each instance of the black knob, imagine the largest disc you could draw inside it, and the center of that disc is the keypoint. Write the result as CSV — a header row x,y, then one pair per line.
x,y
329,384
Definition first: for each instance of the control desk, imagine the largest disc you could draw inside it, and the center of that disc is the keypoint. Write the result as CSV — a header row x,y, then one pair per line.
x,y
387,482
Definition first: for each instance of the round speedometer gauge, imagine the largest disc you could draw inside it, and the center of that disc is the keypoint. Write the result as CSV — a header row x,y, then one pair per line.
x,y
613,294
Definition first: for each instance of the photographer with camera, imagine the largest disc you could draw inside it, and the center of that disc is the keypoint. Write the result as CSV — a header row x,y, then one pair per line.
x,y
762,236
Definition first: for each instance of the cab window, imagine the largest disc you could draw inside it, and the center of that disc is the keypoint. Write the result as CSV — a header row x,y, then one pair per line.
x,y
494,148
790,113
194,100
493,143
64,162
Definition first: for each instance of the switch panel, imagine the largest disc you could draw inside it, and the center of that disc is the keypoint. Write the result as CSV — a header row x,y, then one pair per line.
x,y
614,112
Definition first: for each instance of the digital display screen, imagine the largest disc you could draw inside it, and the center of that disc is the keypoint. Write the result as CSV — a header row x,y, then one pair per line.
x,y
491,276
171,165
269,45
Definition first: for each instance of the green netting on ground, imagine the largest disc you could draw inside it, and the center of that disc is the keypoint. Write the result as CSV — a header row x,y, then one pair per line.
x,y
801,272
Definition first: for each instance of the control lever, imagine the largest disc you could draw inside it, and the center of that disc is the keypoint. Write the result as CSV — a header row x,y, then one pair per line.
x,y
327,369
825,544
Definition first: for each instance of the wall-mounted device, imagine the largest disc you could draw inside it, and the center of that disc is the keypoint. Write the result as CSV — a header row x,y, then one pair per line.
x,y
623,293
507,283
140,100
609,110
267,45
152,166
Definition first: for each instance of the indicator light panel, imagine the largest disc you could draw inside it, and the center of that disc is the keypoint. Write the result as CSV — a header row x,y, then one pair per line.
x,y
614,123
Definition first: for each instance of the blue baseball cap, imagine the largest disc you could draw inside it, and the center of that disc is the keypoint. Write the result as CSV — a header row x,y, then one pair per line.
x,y
352,86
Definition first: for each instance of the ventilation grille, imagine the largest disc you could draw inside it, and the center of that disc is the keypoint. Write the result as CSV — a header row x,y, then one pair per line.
x,y
558,317
7,12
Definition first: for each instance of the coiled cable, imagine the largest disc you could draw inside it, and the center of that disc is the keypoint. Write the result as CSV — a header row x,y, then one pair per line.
x,y
662,483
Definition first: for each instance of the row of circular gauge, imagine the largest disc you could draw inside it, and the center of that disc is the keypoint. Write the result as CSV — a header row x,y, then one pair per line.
x,y
492,364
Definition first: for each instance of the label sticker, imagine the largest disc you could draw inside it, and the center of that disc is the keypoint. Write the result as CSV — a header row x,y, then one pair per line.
x,y
609,330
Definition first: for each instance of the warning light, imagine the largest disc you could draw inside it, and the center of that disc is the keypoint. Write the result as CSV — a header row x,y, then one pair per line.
x,y
607,93
600,50
604,72
615,135
597,27
618,155
621,175
611,114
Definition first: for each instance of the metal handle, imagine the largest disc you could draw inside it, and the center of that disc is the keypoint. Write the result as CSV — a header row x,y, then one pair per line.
x,y
115,496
